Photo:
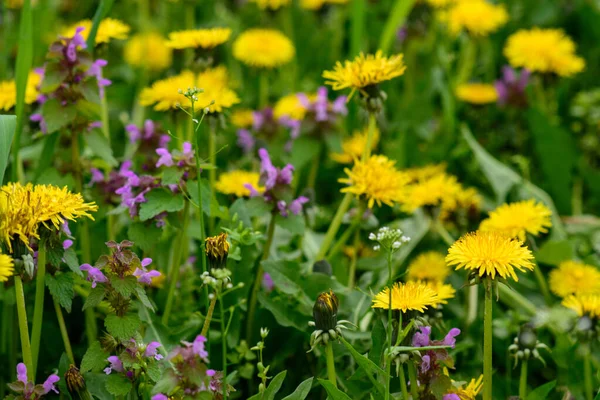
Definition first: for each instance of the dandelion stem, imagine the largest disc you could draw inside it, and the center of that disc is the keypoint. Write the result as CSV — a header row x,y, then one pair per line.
x,y
23,328
104,116
38,310
371,132
63,331
512,297
176,265
258,279
224,344
212,173
523,380
402,379
541,281
209,314
587,371
487,342
263,89
412,376
335,225
330,363
346,235
388,363
353,262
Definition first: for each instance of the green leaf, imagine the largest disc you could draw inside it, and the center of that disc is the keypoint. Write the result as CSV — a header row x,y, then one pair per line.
x,y
57,116
332,391
295,224
283,313
396,18
46,157
154,372
99,145
305,151
210,205
96,385
72,262
301,391
553,252
95,297
171,176
94,358
272,389
101,12
145,235
124,286
541,392
8,124
369,366
124,327
141,294
378,340
61,288
54,75
440,385
158,201
118,385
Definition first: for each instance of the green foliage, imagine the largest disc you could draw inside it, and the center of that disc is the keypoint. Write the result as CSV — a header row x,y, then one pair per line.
x,y
99,145
118,385
171,176
301,391
368,366
124,327
57,116
61,288
94,359
158,201
94,298
8,125
124,286
145,235
272,389
333,392
541,392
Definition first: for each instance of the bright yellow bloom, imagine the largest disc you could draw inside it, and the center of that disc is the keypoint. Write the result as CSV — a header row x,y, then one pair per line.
x,y
271,4
519,219
8,91
6,267
365,70
470,391
543,50
148,51
318,4
412,296
233,182
353,146
199,38
440,3
477,93
426,172
377,179
263,48
441,188
478,17
572,277
587,304
445,292
289,106
428,266
164,94
242,118
108,29
490,254
158,281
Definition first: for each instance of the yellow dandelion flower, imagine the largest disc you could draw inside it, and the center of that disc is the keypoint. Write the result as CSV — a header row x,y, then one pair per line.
x,y
148,51
478,17
441,188
289,106
198,38
271,4
7,267
233,182
263,48
353,146
412,296
490,254
477,93
468,199
242,118
365,70
440,3
377,179
158,281
543,50
314,5
444,291
428,266
215,85
471,390
8,91
586,304
417,174
108,29
518,219
572,277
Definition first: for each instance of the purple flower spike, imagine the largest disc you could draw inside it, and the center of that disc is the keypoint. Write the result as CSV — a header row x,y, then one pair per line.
x,y
245,140
49,384
421,339
94,274
267,282
146,261
425,363
115,365
450,339
267,169
198,347
451,396
160,396
296,205
22,373
151,351
67,244
210,372
146,277
165,158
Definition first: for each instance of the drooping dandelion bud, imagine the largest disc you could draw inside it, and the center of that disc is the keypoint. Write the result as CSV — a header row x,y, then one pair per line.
x,y
76,384
217,250
526,345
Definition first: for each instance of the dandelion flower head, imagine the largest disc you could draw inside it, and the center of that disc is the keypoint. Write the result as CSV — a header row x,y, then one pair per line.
x,y
478,17
148,51
428,266
263,48
289,106
477,93
271,4
198,38
235,183
8,91
242,118
6,267
584,305
318,4
410,296
572,277
519,219
108,29
438,189
353,146
470,391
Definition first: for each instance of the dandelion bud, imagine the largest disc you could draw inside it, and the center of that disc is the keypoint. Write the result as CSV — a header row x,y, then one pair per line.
x,y
527,337
323,267
217,250
76,384
325,311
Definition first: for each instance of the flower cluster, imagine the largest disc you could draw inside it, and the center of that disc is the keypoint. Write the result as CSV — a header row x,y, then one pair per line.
x,y
519,219
574,278
109,28
8,91
148,51
478,17
28,390
353,146
134,359
390,239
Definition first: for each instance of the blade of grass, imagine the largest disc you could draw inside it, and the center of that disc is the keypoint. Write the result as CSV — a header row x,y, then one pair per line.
x,y
8,124
357,20
101,12
46,156
24,63
394,22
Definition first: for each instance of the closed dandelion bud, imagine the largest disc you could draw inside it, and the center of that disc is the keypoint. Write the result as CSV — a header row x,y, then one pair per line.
x,y
323,267
217,250
325,311
527,337
76,384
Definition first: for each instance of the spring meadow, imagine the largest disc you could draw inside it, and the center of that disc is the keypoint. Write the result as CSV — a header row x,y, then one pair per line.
x,y
300,199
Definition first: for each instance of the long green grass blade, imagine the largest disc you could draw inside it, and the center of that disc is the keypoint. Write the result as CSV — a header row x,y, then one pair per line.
x,y
358,17
8,123
24,63
394,22
101,12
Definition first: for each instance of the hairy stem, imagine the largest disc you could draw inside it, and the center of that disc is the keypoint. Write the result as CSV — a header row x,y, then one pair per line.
x,y
487,342
63,331
330,363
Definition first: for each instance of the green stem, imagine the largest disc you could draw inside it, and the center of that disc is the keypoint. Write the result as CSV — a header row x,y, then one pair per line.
x,y
577,197
587,371
212,173
104,116
412,375
176,266
402,379
334,226
487,342
357,23
353,262
263,89
91,329
523,380
209,314
371,132
395,21
516,299
224,344
23,328
63,331
543,285
314,169
330,363
346,235
38,310
258,279
472,305
468,55
390,326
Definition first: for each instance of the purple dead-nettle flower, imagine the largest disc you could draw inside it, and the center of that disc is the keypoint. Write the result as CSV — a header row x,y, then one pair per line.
x,y
29,390
267,282
450,339
48,385
38,117
97,176
94,274
165,158
198,347
96,71
431,358
74,43
421,338
22,373
245,140
511,89
152,351
67,243
143,275
115,365
160,396
451,396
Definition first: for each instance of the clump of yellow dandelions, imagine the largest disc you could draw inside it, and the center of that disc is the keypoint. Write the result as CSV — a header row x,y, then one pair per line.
x,y
432,191
24,208
148,51
7,267
477,93
236,182
263,48
199,38
271,4
376,179
470,391
428,266
543,50
289,106
353,146
519,219
478,17
364,71
572,277
584,305
8,91
168,93
108,29
413,296
489,254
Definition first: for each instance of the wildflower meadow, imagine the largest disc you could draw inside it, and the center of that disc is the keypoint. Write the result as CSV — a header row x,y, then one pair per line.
x,y
300,199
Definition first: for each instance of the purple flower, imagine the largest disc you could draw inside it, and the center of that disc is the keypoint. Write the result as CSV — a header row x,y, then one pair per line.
x,y
296,205
115,365
268,171
511,90
97,176
148,128
210,372
146,261
151,351
65,228
198,347
96,71
38,117
165,158
339,105
160,396
67,244
421,339
22,373
451,396
450,339
425,363
146,276
78,38
267,282
134,133
49,384
94,274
